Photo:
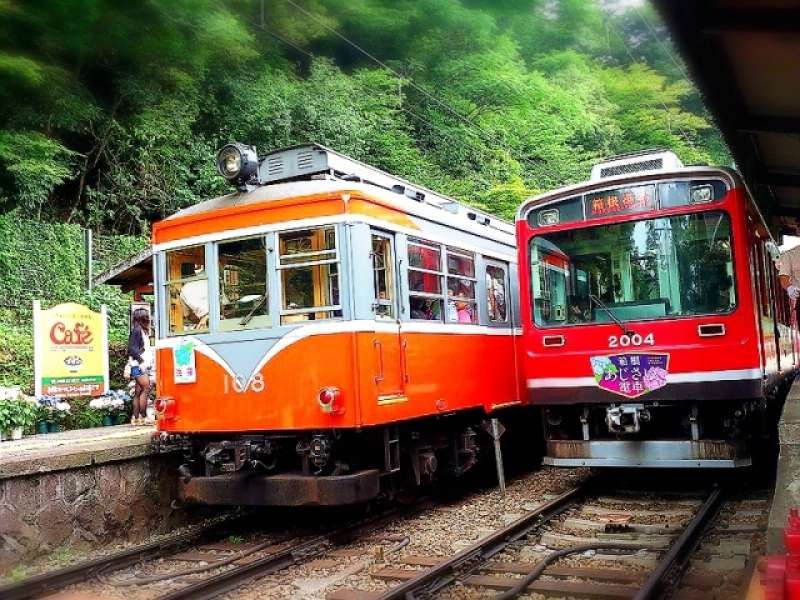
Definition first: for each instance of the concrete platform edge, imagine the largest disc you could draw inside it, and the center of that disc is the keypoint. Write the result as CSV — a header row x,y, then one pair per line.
x,y
787,479
72,454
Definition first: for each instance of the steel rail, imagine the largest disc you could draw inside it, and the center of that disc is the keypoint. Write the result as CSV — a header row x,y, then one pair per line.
x,y
54,580
681,548
435,578
235,578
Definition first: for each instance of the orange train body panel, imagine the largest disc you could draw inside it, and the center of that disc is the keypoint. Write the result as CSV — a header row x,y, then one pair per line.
x,y
427,374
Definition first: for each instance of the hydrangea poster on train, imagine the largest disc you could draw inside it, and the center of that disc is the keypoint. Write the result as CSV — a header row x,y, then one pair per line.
x,y
70,350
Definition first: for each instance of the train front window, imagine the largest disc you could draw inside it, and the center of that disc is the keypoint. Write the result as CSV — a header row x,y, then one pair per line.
x,y
308,262
243,299
649,269
187,290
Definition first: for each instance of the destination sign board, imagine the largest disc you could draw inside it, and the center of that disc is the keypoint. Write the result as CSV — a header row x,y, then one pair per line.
x,y
620,201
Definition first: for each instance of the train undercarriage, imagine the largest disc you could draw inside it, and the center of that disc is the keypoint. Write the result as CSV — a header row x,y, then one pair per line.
x,y
678,434
329,467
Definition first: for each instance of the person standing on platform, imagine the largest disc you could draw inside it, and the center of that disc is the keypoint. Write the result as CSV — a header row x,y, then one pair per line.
x,y
789,276
140,361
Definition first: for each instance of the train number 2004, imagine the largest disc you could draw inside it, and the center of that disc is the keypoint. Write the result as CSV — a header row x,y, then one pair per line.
x,y
623,341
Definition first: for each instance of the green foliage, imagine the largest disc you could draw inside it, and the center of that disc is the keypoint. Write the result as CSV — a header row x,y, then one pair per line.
x,y
18,412
125,106
81,416
47,262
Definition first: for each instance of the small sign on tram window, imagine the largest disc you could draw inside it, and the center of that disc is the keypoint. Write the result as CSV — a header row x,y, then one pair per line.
x,y
620,201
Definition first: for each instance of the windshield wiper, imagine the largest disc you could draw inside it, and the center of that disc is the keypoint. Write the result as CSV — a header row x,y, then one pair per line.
x,y
611,314
253,310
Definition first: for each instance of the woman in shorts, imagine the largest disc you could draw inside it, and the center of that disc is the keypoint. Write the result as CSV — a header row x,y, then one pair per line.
x,y
140,360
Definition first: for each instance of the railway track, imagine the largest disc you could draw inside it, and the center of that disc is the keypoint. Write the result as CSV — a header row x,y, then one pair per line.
x,y
223,561
583,544
60,578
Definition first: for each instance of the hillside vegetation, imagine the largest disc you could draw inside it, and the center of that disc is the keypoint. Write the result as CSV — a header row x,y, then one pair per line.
x,y
114,110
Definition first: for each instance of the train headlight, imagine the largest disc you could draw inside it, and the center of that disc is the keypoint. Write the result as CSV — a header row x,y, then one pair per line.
x,y
330,400
165,407
549,217
238,163
701,194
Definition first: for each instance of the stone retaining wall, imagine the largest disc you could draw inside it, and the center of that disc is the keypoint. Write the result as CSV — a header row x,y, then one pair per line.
x,y
87,507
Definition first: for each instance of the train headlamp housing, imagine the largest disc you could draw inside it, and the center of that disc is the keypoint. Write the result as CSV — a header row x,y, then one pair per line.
x,y
238,164
165,407
330,401
702,194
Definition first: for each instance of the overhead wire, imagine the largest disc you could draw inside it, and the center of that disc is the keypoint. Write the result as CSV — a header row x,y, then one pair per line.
x,y
612,27
448,107
657,38
406,110
473,128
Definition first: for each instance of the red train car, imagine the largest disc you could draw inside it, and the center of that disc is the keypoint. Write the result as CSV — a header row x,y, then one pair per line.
x,y
655,331
329,331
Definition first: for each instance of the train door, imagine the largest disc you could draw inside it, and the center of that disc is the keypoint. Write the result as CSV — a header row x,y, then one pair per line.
x,y
499,315
385,306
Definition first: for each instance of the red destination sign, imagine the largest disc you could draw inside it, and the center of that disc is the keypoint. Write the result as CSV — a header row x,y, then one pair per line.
x,y
621,201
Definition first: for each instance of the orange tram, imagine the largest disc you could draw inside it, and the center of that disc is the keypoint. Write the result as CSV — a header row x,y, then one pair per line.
x,y
329,333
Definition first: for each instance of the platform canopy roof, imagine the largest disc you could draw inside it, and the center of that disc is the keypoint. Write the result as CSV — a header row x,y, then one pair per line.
x,y
745,57
133,274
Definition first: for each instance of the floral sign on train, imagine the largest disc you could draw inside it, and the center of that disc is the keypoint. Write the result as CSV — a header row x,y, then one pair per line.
x,y
631,375
70,350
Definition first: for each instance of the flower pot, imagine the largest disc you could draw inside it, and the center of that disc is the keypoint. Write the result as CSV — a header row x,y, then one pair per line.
x,y
53,427
121,419
16,433
41,426
5,435
108,420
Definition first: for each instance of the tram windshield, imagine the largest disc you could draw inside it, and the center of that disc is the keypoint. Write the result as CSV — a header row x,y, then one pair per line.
x,y
650,269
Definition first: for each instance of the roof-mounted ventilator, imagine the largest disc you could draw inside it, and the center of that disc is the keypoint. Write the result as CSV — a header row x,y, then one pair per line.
x,y
636,162
312,161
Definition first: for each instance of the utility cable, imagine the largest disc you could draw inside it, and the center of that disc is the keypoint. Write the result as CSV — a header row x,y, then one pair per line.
x,y
522,584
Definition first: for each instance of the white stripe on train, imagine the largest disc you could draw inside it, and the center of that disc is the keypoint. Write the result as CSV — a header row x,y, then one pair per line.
x,y
331,327
692,377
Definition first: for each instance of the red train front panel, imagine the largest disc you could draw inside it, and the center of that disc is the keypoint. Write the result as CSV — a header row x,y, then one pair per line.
x,y
649,326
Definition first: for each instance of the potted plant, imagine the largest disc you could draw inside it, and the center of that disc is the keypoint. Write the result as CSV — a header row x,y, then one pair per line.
x,y
16,415
6,419
61,413
45,413
85,415
101,406
122,401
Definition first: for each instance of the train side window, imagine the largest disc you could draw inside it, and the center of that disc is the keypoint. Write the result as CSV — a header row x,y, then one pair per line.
x,y
187,290
425,278
496,294
383,276
243,294
461,305
763,275
308,262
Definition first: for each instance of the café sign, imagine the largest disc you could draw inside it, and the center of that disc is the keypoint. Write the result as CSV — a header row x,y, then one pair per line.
x,y
70,350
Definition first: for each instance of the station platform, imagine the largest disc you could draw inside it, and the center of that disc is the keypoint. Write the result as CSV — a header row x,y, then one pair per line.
x,y
45,453
787,478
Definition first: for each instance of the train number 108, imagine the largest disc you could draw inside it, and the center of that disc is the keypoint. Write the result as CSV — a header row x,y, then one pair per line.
x,y
623,341
240,385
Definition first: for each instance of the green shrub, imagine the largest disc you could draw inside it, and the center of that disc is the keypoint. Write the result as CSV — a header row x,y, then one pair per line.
x,y
46,262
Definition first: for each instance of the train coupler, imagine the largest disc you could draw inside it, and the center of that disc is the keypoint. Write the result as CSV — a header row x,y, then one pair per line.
x,y
626,418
